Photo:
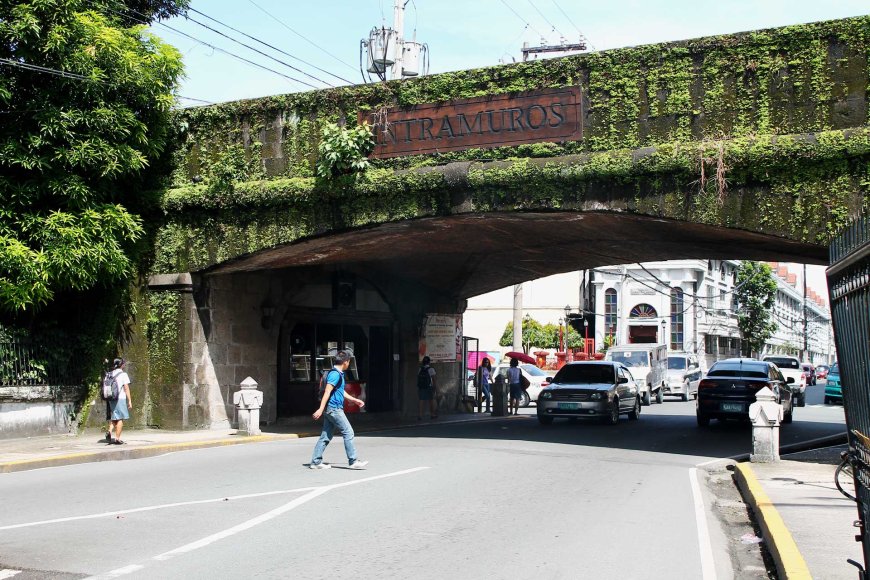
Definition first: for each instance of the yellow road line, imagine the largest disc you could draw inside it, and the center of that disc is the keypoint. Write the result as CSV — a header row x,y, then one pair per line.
x,y
789,561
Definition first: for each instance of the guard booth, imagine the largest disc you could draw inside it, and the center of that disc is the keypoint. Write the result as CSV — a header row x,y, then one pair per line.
x,y
849,290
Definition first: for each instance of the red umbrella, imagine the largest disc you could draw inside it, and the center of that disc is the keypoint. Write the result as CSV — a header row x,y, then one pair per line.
x,y
521,356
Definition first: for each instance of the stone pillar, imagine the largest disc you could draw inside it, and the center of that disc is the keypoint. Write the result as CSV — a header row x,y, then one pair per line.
x,y
248,402
766,415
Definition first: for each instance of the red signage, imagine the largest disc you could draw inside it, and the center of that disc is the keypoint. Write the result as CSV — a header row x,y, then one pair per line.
x,y
492,121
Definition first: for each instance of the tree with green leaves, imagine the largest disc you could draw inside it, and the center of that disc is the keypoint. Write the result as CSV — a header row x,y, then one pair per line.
x,y
86,129
540,335
756,295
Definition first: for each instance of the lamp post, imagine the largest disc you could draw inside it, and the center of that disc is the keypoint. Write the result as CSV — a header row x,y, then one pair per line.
x,y
664,340
586,336
561,342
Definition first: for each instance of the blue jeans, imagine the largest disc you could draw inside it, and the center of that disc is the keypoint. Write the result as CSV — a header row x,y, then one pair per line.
x,y
486,392
333,419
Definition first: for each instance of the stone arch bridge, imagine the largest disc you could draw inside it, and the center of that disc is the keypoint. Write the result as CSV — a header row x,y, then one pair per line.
x,y
753,146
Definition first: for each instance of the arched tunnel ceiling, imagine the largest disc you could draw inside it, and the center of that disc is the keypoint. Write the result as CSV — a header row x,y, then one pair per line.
x,y
467,255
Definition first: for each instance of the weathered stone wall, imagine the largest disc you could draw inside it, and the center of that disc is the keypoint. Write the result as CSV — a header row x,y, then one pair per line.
x,y
42,410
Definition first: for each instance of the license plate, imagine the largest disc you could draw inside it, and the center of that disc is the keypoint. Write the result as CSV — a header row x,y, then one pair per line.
x,y
731,407
569,406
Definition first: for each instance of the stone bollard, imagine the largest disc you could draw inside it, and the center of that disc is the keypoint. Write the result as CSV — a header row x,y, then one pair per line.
x,y
248,402
766,415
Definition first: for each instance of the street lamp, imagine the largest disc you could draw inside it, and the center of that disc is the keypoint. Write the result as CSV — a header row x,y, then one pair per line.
x,y
586,335
561,343
664,340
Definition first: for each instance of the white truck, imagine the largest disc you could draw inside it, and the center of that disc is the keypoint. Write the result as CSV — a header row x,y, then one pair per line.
x,y
648,364
794,374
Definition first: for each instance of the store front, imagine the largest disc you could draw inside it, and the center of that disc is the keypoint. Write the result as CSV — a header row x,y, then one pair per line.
x,y
308,344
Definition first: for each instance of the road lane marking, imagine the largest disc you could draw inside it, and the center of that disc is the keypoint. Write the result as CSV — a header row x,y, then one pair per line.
x,y
154,507
7,573
272,514
708,565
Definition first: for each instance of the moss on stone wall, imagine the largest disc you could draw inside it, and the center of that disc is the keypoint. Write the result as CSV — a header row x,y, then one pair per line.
x,y
163,329
719,113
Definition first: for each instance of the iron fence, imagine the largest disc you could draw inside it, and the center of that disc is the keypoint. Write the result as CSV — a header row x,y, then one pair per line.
x,y
849,289
25,363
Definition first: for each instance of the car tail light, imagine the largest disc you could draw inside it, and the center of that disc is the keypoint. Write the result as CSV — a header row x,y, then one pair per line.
x,y
545,384
705,384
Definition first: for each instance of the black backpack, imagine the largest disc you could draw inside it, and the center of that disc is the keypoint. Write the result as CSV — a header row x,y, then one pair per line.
x,y
424,381
321,387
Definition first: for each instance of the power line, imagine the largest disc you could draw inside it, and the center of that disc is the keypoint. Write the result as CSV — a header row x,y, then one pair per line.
x,y
217,48
312,43
47,70
580,32
529,26
547,20
206,26
195,100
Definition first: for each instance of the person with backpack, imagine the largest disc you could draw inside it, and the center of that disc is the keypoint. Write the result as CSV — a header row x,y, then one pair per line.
x,y
332,410
116,391
427,389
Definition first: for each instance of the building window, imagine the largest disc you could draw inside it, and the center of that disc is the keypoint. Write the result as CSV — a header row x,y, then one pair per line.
x,y
722,271
710,305
643,311
610,313
676,319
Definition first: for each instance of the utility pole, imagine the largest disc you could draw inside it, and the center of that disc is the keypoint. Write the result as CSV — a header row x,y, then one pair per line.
x,y
518,318
399,27
806,350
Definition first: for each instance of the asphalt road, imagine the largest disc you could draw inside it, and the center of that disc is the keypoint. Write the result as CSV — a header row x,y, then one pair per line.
x,y
504,498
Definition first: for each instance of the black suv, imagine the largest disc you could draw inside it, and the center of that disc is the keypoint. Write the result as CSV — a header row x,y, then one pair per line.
x,y
730,387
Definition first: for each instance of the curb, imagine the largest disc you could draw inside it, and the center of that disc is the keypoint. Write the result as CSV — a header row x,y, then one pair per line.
x,y
134,452
790,564
163,448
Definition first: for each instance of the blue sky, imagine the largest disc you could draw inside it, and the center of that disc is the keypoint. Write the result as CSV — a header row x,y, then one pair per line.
x,y
460,34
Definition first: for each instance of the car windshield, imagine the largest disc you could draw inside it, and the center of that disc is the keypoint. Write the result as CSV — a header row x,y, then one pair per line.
x,y
835,369
585,374
638,358
676,363
533,370
783,362
738,370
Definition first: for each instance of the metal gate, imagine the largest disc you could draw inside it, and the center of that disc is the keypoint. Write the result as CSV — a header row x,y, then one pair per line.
x,y
849,289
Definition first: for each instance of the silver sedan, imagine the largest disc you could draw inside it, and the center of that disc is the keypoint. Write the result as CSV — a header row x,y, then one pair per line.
x,y
590,390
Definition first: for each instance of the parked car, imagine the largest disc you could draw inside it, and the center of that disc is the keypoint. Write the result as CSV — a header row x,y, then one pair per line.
x,y
810,371
730,387
791,369
822,371
537,380
833,386
591,390
648,364
684,374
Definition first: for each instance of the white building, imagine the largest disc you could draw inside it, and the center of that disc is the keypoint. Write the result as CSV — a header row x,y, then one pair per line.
x,y
688,304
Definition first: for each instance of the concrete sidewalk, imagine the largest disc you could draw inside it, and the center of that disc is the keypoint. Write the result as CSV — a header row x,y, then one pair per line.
x,y
806,523
55,450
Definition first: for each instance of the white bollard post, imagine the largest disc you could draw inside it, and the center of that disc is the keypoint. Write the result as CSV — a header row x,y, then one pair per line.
x,y
766,415
248,402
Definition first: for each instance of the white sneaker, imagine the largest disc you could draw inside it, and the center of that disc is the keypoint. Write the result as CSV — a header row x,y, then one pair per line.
x,y
320,465
359,464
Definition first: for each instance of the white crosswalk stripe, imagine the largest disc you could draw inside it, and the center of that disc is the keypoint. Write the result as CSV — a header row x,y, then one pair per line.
x,y
7,573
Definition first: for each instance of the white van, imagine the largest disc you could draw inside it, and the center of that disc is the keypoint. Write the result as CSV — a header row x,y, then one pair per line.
x,y
648,364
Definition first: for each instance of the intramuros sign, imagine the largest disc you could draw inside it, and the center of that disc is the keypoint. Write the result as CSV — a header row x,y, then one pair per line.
x,y
509,119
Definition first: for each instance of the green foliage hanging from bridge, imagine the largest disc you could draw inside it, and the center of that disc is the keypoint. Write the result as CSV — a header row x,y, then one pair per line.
x,y
741,131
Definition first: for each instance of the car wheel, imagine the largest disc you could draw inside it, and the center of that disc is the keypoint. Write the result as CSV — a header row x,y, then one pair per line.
x,y
526,400
660,397
703,420
827,400
695,395
634,414
685,396
646,398
789,417
544,420
802,400
613,419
